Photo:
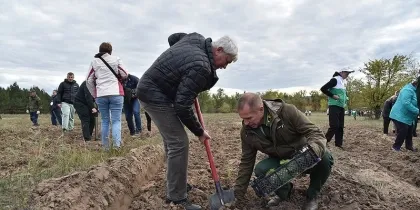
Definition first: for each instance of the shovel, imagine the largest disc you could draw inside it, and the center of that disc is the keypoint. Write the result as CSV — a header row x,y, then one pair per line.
x,y
221,197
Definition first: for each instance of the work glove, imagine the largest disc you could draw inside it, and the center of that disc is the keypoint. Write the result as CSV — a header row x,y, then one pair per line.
x,y
27,111
37,112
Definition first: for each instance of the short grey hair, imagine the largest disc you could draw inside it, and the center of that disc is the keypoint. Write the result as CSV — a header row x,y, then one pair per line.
x,y
229,46
253,100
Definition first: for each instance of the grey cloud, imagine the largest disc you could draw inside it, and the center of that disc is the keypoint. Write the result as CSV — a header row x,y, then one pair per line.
x,y
281,45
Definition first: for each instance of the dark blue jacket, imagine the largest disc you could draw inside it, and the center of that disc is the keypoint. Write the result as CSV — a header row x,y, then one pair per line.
x,y
130,85
131,82
53,103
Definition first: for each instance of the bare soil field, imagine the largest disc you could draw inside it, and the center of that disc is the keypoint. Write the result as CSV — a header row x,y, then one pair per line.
x,y
366,175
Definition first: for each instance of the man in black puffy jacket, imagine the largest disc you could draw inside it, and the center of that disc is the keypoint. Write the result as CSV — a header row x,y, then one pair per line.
x,y
65,99
167,91
86,108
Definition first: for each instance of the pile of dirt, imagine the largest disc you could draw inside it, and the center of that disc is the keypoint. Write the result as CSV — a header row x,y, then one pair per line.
x,y
109,185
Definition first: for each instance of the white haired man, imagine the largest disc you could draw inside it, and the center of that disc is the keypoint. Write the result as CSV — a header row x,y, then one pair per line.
x,y
167,91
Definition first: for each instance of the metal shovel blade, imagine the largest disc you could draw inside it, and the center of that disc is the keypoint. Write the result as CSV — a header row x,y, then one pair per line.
x,y
227,196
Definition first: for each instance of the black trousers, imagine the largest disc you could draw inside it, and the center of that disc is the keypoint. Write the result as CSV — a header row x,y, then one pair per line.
x,y
336,119
387,120
149,121
404,132
87,119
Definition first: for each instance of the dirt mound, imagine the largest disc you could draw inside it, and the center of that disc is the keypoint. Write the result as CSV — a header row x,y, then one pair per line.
x,y
110,185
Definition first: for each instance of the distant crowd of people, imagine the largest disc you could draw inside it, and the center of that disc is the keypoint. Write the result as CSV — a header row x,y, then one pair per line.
x,y
108,89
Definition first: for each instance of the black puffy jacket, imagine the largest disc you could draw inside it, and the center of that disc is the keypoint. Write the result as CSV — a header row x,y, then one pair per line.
x,y
178,75
66,92
84,97
388,106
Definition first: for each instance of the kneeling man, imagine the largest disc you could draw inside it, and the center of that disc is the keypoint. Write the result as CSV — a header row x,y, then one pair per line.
x,y
279,130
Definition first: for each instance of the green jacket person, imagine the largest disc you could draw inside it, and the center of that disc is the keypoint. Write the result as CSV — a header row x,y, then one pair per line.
x,y
278,129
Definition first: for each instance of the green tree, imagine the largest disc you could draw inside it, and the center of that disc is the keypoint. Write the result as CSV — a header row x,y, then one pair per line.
x,y
270,94
383,77
219,98
354,89
205,101
299,99
316,98
225,108
323,104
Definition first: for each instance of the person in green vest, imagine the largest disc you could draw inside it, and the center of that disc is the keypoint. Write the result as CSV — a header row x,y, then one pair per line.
x,y
353,113
337,101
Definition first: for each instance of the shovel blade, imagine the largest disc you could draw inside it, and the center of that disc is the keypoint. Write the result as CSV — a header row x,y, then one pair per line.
x,y
227,195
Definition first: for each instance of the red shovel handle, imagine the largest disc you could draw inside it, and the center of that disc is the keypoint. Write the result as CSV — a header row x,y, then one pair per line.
x,y
206,143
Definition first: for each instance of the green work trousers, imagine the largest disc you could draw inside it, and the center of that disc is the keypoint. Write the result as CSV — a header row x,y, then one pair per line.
x,y
318,175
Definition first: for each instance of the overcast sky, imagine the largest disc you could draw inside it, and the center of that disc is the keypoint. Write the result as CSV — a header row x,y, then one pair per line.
x,y
283,44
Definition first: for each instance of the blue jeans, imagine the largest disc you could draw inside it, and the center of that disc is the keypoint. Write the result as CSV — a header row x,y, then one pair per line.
x,y
131,109
34,117
110,106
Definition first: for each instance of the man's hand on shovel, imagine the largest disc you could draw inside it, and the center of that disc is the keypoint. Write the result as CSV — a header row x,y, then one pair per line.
x,y
204,136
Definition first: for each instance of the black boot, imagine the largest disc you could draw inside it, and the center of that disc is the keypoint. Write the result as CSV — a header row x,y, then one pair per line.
x,y
310,204
189,187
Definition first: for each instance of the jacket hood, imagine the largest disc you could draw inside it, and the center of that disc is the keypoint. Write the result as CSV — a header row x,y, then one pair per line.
x,y
174,38
274,106
411,86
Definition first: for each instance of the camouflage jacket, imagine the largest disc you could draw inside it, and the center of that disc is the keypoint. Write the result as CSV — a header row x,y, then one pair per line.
x,y
289,131
34,104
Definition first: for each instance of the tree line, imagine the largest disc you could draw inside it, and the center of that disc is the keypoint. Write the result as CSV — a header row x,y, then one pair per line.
x,y
14,99
381,78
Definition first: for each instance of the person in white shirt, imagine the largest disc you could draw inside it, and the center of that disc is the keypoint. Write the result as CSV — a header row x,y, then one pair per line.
x,y
104,82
